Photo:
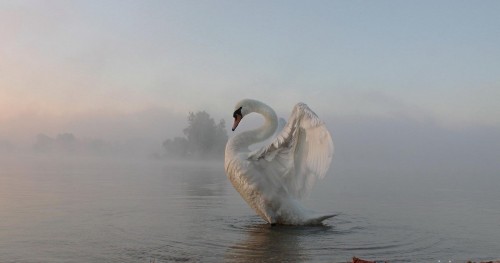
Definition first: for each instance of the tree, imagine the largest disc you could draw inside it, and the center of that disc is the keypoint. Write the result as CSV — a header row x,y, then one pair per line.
x,y
67,142
203,138
64,142
177,147
43,143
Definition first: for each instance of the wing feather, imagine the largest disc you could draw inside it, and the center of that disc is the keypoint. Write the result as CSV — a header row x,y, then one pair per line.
x,y
299,155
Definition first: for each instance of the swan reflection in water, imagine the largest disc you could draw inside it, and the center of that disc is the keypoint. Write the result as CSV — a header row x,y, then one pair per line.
x,y
280,243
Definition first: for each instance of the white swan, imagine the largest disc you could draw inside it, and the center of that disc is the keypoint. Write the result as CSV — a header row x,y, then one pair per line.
x,y
274,178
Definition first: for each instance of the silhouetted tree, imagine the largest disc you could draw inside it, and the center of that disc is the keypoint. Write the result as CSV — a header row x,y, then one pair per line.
x,y
43,143
64,142
204,138
178,147
67,142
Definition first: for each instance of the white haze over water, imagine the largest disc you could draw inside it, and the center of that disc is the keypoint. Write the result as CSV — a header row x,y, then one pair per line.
x,y
359,140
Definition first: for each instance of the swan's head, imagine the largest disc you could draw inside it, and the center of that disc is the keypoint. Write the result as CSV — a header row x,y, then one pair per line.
x,y
241,109
237,115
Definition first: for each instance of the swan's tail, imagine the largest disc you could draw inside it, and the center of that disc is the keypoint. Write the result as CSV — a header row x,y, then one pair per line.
x,y
291,212
317,219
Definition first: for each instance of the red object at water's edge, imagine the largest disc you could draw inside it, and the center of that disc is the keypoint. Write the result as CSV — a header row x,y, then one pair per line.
x,y
358,260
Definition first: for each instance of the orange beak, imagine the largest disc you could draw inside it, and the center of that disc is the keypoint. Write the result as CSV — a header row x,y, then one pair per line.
x,y
237,120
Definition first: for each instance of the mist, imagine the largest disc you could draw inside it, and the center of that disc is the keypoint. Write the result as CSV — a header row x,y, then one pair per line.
x,y
414,144
109,133
360,141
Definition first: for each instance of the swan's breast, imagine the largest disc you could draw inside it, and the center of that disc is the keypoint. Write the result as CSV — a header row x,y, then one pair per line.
x,y
239,173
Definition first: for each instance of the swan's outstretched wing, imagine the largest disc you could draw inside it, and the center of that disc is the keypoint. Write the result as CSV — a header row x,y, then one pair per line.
x,y
299,155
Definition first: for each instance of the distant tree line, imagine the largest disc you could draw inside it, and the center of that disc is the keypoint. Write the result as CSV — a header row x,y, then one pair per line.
x,y
203,138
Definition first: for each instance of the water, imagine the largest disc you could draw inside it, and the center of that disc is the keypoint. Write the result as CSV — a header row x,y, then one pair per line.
x,y
101,210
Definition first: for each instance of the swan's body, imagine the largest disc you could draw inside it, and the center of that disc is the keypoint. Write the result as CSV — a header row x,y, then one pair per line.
x,y
274,178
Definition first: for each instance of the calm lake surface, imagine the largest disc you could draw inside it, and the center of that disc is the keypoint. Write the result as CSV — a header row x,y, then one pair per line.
x,y
125,210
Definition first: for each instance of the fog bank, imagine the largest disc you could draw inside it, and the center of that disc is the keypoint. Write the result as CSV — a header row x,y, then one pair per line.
x,y
373,142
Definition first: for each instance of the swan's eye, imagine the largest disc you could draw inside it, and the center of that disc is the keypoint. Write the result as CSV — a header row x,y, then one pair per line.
x,y
237,112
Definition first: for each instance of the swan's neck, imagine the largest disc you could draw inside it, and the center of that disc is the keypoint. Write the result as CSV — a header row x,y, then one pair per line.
x,y
247,138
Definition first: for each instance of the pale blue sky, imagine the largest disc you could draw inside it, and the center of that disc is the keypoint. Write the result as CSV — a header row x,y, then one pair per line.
x,y
416,59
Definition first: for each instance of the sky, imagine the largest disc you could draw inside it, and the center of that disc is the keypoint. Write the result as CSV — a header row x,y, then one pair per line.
x,y
104,68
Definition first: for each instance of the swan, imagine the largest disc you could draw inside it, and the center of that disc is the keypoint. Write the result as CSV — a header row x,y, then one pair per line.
x,y
274,178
